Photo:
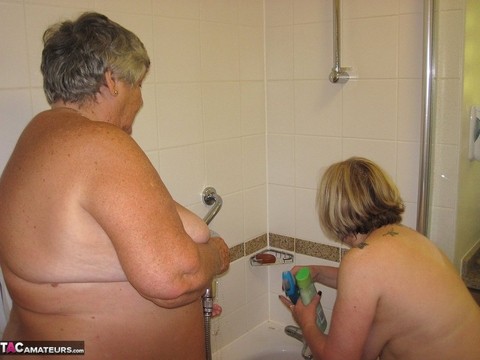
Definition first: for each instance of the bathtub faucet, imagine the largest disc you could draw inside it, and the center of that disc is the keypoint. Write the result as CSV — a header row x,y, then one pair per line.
x,y
296,333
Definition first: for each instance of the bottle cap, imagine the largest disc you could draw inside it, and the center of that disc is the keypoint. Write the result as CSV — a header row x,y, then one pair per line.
x,y
304,279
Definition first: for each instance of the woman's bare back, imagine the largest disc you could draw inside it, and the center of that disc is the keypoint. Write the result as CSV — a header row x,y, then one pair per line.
x,y
61,266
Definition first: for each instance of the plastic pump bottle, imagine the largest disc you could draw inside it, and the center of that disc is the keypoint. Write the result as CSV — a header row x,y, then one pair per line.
x,y
307,292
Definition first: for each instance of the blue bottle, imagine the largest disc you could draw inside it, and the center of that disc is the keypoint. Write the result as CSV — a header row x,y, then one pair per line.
x,y
289,286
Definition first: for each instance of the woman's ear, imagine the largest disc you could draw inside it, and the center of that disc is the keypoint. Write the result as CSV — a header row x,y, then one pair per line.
x,y
111,83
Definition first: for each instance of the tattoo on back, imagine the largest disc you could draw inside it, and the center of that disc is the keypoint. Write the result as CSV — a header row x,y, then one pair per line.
x,y
391,232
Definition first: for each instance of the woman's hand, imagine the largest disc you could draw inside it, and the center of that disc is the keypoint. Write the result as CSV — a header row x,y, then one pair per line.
x,y
217,310
304,315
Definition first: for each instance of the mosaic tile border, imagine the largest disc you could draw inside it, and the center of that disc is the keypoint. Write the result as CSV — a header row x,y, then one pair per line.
x,y
299,246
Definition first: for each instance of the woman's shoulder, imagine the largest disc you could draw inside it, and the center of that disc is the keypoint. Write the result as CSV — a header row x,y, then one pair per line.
x,y
73,129
381,246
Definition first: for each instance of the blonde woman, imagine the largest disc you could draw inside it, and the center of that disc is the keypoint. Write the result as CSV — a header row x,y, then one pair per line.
x,y
398,296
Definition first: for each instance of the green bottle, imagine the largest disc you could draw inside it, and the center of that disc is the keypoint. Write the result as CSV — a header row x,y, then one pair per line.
x,y
307,292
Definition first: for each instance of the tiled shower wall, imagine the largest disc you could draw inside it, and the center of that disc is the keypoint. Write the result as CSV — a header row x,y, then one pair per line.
x,y
238,98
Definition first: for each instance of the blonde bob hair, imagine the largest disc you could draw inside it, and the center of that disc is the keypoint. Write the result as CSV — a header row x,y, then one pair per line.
x,y
356,196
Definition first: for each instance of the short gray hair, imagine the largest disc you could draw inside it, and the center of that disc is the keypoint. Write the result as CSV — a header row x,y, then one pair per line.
x,y
77,54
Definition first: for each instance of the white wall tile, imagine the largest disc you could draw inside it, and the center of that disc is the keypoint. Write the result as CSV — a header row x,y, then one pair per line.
x,y
252,107
140,7
250,13
311,61
411,6
183,172
410,46
224,165
251,53
318,108
281,210
409,109
449,49
256,280
447,107
409,217
370,47
442,228
145,125
14,59
312,155
254,161
444,178
369,8
450,4
15,114
308,11
279,53
281,159
306,218
408,161
177,50
39,101
255,212
86,4
189,9
219,51
278,12
219,10
370,109
230,221
233,292
179,109
281,107
221,110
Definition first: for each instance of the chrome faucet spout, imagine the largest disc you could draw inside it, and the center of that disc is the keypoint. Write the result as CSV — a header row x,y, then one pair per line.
x,y
295,332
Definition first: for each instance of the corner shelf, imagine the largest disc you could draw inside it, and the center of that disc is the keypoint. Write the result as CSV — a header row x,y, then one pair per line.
x,y
271,257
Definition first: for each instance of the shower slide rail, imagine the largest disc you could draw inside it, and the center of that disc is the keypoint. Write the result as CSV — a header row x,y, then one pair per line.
x,y
426,134
338,72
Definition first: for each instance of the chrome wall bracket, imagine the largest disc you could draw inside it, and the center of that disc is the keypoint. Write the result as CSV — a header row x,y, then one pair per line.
x,y
211,198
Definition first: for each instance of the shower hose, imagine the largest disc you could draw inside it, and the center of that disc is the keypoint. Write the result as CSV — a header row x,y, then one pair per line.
x,y
210,197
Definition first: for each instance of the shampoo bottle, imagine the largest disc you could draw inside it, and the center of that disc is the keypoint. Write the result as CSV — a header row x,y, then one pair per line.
x,y
307,292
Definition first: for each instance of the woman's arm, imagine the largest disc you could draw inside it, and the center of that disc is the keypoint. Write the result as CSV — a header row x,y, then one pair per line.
x,y
353,313
127,198
326,275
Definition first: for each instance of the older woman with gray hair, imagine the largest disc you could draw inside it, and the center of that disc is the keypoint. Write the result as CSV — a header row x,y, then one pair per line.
x,y
92,245
398,296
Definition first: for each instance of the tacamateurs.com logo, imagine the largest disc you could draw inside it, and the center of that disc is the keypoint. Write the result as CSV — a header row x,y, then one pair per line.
x,y
42,347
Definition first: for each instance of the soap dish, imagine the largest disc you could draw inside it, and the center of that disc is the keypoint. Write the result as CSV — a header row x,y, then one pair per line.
x,y
271,257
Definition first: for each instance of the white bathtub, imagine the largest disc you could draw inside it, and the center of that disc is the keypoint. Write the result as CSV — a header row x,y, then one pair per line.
x,y
267,341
